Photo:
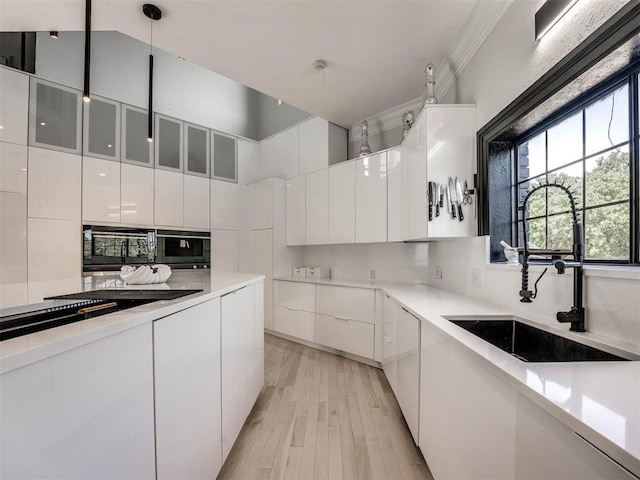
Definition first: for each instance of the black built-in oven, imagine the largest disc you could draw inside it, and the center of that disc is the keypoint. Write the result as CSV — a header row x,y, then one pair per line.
x,y
108,248
181,249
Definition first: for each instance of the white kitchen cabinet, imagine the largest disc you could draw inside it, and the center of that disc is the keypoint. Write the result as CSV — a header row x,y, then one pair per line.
x,y
55,183
54,249
224,250
85,413
13,237
100,190
390,341
136,194
371,198
296,210
101,129
344,334
295,295
225,157
14,106
293,322
320,144
342,203
466,412
317,207
224,205
256,345
408,369
169,198
347,302
261,204
136,148
196,202
186,366
168,141
242,344
441,144
262,263
294,309
13,167
285,153
196,150
396,184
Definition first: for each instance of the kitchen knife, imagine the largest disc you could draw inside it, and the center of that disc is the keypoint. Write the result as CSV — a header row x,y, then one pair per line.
x,y
440,195
438,198
459,199
431,194
451,191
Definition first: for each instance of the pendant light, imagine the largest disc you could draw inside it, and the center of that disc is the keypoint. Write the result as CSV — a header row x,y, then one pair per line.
x,y
87,50
153,13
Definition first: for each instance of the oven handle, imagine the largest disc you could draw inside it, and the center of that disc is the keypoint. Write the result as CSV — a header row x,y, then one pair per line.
x,y
183,236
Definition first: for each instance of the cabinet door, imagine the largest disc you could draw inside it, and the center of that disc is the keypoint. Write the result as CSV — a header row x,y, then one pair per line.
x,y
102,129
395,191
286,153
346,302
314,146
14,106
85,413
100,190
347,335
414,158
196,150
13,167
390,341
408,369
224,205
136,148
296,211
295,295
187,393
296,323
55,117
371,199
136,194
317,207
13,239
225,157
169,198
224,250
342,203
168,143
262,263
261,194
196,202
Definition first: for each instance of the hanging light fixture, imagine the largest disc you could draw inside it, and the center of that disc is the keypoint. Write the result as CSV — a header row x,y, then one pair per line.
x,y
153,13
87,50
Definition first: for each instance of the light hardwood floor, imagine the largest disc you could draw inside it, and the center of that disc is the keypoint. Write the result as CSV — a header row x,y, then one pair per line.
x,y
321,416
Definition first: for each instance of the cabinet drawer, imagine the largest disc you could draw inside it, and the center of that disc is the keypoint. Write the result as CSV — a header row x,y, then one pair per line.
x,y
346,335
294,322
346,302
296,295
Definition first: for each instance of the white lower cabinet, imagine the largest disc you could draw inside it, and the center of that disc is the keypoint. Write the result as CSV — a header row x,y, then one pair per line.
x,y
297,323
347,302
187,393
344,334
390,340
85,413
242,359
408,369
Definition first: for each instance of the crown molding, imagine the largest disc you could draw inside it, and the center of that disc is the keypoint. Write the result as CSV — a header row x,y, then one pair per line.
x,y
482,19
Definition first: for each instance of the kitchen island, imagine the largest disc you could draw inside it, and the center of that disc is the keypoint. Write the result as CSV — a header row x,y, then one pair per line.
x,y
156,391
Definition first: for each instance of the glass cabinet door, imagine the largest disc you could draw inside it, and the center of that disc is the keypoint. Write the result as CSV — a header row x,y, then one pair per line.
x,y
102,129
136,148
54,117
225,158
196,150
168,143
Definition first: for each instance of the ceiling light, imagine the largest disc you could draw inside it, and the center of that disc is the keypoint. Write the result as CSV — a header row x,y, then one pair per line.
x,y
54,34
320,64
549,14
42,123
153,13
1,127
87,50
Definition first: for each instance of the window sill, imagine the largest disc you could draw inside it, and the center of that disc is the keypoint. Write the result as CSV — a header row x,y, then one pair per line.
x,y
605,271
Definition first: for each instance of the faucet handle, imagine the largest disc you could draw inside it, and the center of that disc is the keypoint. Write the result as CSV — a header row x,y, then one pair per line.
x,y
560,266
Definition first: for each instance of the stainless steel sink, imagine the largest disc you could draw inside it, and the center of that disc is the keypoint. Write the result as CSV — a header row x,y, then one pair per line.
x,y
531,344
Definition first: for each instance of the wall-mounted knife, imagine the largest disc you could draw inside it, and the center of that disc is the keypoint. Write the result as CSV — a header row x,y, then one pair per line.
x,y
431,194
459,199
451,191
438,198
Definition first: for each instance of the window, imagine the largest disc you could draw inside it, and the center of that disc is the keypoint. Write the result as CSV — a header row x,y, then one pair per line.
x,y
588,150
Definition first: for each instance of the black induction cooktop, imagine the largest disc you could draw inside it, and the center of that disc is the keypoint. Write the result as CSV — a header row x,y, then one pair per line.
x,y
126,294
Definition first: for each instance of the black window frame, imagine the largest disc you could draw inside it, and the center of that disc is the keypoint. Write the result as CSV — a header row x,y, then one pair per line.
x,y
495,156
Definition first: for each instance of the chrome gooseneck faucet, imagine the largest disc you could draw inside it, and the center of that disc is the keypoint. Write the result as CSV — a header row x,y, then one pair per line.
x,y
575,316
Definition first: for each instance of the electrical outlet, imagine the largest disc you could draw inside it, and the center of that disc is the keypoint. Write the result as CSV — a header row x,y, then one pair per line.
x,y
372,274
476,278
439,272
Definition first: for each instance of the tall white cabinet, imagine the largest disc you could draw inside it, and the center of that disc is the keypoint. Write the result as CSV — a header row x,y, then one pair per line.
x,y
342,203
371,199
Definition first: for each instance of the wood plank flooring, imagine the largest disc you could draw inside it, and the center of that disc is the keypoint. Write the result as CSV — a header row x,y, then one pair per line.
x,y
321,416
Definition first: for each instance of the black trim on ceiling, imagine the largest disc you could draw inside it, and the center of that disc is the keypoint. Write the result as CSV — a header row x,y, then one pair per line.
x,y
614,32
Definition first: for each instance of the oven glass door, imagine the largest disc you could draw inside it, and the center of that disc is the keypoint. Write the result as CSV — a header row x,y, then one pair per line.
x,y
105,248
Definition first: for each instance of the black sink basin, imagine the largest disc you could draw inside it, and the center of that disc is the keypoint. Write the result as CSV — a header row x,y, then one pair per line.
x,y
531,344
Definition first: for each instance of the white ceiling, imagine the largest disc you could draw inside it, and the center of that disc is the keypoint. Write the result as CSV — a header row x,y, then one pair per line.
x,y
376,50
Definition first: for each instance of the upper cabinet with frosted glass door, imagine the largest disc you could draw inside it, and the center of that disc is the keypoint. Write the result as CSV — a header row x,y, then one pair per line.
x,y
225,157
136,148
196,150
168,141
55,117
102,129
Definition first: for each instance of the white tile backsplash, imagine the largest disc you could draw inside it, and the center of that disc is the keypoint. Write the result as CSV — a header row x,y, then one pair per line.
x,y
13,167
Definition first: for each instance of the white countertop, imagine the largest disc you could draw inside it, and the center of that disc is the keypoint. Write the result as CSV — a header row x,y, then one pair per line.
x,y
21,351
598,400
